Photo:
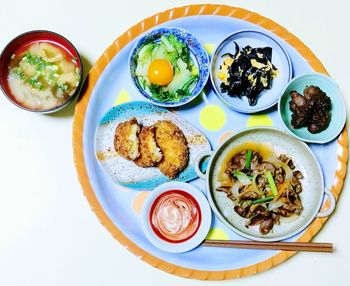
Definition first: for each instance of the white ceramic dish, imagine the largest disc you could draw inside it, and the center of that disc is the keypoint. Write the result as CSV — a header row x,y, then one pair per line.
x,y
200,234
280,142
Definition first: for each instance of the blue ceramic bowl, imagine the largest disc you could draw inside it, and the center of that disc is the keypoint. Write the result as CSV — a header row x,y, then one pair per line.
x,y
280,59
198,55
338,110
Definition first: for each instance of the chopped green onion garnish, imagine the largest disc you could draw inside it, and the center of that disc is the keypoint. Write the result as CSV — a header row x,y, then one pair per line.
x,y
248,158
18,72
272,183
262,200
62,87
35,83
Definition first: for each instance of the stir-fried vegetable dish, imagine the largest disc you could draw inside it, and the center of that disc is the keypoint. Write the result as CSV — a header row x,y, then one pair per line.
x,y
265,191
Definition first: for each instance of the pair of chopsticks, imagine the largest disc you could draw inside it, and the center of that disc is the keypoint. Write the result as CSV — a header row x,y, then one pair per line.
x,y
287,246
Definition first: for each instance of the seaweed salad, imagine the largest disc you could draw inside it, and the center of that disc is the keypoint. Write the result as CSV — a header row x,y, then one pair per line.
x,y
247,72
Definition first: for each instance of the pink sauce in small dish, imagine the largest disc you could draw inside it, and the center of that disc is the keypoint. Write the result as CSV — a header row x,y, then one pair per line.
x,y
175,216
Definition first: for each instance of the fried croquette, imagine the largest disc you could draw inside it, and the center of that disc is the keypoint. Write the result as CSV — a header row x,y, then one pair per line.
x,y
173,144
126,139
150,153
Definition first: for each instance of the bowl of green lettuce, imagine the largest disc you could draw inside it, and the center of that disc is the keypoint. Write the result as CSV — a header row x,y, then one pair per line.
x,y
169,66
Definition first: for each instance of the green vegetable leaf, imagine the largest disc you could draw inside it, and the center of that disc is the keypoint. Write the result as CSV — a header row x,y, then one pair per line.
x,y
187,86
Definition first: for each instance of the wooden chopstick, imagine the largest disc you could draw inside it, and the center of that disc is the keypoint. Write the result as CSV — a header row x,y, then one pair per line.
x,y
287,246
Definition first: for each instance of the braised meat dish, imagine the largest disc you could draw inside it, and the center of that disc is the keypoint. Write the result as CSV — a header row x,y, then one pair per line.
x,y
311,110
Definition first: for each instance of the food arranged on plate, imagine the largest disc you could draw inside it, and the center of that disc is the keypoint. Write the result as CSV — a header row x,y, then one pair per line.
x,y
247,72
169,66
162,144
140,145
261,183
264,188
41,71
311,110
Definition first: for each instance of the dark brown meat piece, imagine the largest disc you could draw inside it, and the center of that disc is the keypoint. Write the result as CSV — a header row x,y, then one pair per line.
x,y
242,212
260,181
224,189
260,210
255,160
237,162
288,161
319,121
291,164
298,188
249,195
298,175
258,219
317,98
311,110
276,218
283,158
298,105
266,226
298,100
264,166
284,212
280,175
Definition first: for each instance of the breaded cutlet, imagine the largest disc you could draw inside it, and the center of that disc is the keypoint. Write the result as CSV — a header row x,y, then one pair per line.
x,y
150,153
173,144
126,140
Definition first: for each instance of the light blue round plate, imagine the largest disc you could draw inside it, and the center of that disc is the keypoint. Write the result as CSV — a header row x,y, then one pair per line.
x,y
210,116
280,59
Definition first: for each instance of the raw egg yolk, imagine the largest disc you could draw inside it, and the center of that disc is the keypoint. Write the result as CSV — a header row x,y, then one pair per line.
x,y
160,72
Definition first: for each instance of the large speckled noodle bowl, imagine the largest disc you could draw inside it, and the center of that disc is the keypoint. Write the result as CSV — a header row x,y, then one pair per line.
x,y
280,143
99,95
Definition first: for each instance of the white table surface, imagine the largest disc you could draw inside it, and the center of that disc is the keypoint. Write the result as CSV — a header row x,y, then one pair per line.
x,y
48,233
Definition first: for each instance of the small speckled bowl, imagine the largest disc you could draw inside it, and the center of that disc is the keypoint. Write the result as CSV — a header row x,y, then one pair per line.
x,y
281,143
197,53
338,110
21,42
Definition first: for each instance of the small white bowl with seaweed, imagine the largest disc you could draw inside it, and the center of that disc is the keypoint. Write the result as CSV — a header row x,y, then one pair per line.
x,y
169,66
